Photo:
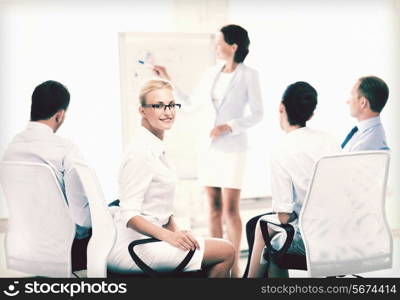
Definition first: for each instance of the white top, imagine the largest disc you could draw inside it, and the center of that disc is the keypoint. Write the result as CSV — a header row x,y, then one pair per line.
x,y
293,164
220,86
38,143
241,107
146,181
369,136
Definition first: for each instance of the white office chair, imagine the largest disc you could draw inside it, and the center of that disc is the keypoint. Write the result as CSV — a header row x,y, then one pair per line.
x,y
342,222
40,230
103,228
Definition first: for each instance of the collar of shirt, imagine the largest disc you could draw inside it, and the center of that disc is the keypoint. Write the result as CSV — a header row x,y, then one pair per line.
x,y
39,126
368,123
156,145
221,64
296,132
283,146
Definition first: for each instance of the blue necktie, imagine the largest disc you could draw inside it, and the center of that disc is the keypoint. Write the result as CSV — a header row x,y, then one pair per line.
x,y
349,136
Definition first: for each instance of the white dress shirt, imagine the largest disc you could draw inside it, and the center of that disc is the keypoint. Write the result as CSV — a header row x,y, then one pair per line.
x,y
146,181
293,164
370,136
220,87
38,144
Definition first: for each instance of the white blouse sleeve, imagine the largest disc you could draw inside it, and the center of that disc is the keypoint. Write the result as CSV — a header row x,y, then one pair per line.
x,y
136,175
255,103
282,188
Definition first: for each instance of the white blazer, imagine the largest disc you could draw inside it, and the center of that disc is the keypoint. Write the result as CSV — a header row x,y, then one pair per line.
x,y
243,91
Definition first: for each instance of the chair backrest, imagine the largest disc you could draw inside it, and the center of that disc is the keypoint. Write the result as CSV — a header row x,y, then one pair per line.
x,y
343,221
40,230
103,228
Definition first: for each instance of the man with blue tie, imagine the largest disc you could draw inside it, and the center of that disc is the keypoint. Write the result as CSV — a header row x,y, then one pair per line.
x,y
368,97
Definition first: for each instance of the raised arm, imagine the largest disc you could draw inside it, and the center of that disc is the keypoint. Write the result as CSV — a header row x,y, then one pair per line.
x,y
196,98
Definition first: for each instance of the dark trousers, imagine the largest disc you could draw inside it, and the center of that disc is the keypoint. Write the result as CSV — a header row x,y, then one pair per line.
x,y
79,253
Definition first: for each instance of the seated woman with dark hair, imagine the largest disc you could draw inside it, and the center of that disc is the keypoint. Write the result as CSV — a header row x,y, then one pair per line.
x,y
291,170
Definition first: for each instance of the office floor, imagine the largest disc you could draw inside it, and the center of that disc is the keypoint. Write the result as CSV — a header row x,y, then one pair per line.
x,y
249,208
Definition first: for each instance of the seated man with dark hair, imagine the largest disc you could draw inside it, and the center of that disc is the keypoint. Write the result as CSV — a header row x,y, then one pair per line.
x,y
368,97
291,171
39,144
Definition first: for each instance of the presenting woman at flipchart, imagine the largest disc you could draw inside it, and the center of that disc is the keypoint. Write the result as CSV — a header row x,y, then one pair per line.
x,y
147,184
229,89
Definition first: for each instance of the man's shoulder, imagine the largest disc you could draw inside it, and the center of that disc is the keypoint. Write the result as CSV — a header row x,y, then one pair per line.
x,y
374,138
375,130
372,141
64,144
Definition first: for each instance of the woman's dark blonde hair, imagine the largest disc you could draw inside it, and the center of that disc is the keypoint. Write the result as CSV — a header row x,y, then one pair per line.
x,y
152,85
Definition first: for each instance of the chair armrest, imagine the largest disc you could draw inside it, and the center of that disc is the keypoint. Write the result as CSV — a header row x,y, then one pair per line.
x,y
272,253
148,270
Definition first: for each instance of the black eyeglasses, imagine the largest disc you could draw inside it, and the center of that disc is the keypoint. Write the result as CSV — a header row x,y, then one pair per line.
x,y
162,106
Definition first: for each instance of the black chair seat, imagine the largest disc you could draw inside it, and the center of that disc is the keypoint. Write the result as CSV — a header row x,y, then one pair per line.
x,y
293,261
280,257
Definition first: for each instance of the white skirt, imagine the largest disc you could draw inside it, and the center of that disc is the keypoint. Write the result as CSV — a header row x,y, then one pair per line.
x,y
222,169
160,256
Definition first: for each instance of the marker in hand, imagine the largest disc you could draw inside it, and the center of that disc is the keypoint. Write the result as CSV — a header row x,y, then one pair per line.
x,y
159,70
151,66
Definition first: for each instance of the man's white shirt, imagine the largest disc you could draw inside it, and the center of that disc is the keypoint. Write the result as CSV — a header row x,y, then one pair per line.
x,y
38,144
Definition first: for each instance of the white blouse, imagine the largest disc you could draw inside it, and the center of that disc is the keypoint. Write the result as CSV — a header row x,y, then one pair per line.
x,y
292,164
146,181
221,84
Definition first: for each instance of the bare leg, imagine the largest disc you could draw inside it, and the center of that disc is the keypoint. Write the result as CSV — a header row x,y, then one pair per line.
x,y
219,256
275,272
215,211
231,214
256,270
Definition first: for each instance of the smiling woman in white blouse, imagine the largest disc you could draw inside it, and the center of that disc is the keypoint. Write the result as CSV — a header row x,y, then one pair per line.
x,y
147,190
